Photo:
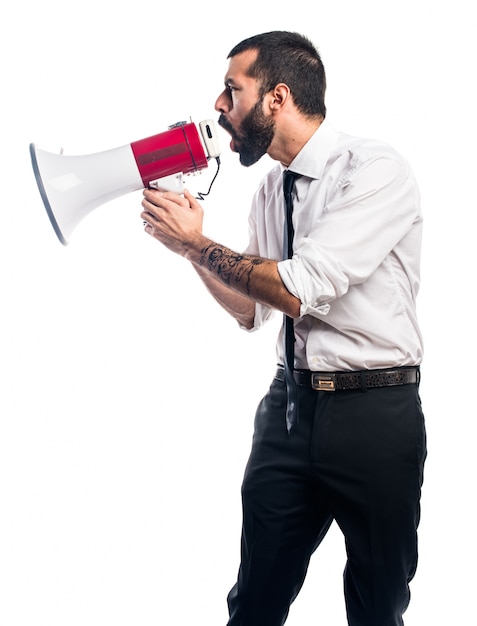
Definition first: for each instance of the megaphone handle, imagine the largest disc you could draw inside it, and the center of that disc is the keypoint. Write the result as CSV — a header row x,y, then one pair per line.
x,y
174,182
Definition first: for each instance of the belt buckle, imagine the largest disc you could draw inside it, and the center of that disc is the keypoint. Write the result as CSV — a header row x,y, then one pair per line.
x,y
323,382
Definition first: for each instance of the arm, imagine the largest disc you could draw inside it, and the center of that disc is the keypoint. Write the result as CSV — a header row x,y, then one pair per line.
x,y
238,306
237,281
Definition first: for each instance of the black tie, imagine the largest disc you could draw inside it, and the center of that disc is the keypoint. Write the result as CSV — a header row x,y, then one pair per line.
x,y
289,333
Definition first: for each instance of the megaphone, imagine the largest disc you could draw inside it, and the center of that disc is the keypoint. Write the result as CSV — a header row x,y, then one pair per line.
x,y
72,186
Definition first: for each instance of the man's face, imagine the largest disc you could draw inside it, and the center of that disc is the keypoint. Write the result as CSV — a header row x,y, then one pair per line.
x,y
241,111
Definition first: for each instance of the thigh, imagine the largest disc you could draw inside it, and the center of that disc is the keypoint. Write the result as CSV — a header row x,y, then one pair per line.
x,y
280,488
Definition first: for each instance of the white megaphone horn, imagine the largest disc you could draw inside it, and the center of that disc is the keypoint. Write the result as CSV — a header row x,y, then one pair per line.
x,y
72,186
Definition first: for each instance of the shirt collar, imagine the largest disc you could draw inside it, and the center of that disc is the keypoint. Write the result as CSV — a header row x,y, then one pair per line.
x,y
312,158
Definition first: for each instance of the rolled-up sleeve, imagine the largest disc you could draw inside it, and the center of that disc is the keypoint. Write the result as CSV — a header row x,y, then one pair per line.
x,y
368,213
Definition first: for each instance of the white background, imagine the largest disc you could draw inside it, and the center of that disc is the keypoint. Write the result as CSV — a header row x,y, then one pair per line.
x,y
126,395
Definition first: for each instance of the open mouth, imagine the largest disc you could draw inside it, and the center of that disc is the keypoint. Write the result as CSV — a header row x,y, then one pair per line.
x,y
226,125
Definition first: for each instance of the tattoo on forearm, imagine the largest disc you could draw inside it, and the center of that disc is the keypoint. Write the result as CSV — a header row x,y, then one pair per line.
x,y
230,267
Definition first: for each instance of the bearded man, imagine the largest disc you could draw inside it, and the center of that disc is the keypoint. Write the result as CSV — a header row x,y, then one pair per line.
x,y
339,435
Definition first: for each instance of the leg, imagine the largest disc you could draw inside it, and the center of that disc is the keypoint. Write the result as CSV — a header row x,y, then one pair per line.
x,y
374,464
284,515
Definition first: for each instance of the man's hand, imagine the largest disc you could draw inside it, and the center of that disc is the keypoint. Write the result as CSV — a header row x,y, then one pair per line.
x,y
172,219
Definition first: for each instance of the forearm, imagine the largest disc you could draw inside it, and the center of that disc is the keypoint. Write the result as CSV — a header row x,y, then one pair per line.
x,y
252,277
176,222
237,305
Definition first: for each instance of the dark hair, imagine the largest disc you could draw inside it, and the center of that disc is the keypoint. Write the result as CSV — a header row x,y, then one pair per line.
x,y
290,58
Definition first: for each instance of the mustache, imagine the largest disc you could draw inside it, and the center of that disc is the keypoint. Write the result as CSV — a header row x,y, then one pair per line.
x,y
222,121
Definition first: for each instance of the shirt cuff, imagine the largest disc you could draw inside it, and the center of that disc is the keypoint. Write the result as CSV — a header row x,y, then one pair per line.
x,y
317,308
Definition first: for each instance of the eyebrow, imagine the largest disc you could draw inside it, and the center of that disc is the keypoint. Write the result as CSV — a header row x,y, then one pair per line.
x,y
229,82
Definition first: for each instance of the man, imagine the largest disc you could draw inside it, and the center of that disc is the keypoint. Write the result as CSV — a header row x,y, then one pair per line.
x,y
341,437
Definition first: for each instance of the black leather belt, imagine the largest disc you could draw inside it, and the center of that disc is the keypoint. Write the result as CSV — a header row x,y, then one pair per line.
x,y
364,379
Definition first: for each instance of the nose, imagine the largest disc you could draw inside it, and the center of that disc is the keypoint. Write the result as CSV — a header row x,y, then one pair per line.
x,y
223,102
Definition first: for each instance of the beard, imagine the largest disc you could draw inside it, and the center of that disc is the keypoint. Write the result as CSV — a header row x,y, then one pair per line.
x,y
254,137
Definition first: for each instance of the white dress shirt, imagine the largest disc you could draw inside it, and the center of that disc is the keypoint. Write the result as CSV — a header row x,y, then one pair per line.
x,y
355,264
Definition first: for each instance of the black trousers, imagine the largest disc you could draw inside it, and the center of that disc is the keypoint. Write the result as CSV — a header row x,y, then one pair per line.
x,y
357,457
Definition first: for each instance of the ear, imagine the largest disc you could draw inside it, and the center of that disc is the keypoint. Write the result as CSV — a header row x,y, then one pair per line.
x,y
278,97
